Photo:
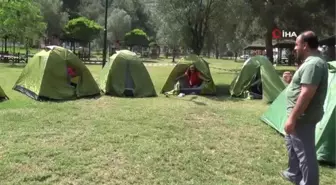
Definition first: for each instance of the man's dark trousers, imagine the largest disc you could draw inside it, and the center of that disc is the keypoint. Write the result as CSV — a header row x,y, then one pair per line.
x,y
302,164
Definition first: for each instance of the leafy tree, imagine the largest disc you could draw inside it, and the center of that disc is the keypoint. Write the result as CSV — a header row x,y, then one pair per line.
x,y
194,16
21,14
118,24
71,6
92,9
136,37
53,16
82,29
292,15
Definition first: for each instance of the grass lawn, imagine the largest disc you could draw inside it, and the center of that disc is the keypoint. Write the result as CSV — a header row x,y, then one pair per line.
x,y
190,140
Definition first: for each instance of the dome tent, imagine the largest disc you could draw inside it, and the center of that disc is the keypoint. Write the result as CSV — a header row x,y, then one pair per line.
x,y
45,77
258,70
206,88
126,75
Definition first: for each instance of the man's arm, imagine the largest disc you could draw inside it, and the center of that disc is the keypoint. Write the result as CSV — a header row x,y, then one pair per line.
x,y
306,95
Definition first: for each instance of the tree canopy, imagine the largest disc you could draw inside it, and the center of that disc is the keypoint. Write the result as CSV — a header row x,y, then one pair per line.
x,y
82,29
136,37
21,20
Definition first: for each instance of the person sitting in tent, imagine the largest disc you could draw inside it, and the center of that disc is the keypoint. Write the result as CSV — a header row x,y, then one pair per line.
x,y
73,76
193,76
188,82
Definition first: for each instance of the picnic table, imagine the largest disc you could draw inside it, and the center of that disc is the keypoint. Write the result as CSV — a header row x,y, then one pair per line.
x,y
6,58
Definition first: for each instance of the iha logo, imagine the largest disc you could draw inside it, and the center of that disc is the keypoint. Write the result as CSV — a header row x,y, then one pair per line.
x,y
278,34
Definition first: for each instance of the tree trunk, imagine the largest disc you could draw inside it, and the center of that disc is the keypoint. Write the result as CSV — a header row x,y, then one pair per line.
x,y
217,49
268,43
27,50
89,51
174,54
236,56
6,39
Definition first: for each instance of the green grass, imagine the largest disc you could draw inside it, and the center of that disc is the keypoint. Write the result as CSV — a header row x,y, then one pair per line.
x,y
190,140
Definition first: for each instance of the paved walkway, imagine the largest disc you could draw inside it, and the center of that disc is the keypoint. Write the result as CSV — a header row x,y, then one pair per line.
x,y
159,64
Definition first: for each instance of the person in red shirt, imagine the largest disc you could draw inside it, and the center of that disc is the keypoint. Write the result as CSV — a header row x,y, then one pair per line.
x,y
72,76
194,77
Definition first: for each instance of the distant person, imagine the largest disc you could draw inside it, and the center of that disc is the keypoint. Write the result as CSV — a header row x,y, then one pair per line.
x,y
305,98
287,77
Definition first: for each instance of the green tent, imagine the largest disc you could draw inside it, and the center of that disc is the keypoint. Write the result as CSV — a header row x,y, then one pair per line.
x,y
126,75
207,88
276,117
254,69
3,96
45,76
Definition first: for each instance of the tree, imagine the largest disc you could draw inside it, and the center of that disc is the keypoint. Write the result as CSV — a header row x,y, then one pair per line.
x,y
71,6
136,37
170,35
118,24
53,16
25,15
82,29
194,16
92,9
292,15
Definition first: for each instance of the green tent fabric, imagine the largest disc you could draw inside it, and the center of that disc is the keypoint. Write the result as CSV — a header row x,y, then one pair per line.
x,y
271,83
126,75
207,88
3,96
45,77
276,117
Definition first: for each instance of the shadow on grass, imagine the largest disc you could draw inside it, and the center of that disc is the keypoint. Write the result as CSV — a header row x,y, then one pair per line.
x,y
327,164
191,98
223,94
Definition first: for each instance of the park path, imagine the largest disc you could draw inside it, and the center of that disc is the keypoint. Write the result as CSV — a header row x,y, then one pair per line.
x,y
159,64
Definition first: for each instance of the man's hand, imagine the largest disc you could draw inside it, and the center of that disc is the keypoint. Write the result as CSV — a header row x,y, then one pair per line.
x,y
290,126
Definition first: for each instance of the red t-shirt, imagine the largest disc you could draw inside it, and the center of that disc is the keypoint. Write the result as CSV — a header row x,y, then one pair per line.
x,y
193,78
71,72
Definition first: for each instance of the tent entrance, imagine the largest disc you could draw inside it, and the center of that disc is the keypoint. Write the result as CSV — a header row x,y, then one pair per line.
x,y
255,88
129,83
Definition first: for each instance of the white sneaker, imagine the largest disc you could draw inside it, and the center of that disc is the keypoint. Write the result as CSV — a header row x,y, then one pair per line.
x,y
181,95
